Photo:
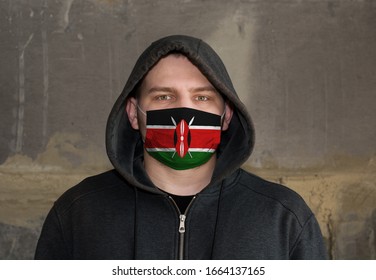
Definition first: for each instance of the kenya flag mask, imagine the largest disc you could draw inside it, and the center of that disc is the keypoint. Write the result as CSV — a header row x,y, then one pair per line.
x,y
182,138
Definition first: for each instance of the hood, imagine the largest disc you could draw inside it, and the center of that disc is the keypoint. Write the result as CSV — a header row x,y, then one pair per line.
x,y
123,143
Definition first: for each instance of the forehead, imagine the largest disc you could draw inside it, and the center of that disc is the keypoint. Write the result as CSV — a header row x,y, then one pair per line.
x,y
174,73
175,67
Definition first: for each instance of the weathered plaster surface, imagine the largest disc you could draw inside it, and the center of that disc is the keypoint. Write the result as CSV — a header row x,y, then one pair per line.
x,y
305,69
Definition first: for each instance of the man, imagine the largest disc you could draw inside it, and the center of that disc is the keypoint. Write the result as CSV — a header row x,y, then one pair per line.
x,y
177,136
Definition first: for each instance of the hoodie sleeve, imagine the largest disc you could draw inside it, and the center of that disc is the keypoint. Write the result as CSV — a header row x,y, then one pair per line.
x,y
51,244
310,245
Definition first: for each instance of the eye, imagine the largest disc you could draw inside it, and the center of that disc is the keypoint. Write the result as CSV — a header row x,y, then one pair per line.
x,y
163,97
202,98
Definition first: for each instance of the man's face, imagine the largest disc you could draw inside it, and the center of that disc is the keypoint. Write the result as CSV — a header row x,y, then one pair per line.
x,y
175,82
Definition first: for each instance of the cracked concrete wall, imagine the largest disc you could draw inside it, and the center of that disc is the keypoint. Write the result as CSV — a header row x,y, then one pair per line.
x,y
305,69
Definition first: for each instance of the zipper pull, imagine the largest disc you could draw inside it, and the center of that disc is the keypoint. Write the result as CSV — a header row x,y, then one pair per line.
x,y
182,224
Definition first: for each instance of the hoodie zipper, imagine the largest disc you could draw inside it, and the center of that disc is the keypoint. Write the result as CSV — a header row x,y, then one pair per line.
x,y
182,218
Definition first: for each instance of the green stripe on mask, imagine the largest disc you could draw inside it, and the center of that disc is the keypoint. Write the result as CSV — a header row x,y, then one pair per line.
x,y
190,160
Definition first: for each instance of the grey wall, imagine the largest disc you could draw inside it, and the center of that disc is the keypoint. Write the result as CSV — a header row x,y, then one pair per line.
x,y
305,69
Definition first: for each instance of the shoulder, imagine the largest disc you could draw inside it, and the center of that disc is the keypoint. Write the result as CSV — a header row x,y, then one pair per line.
x,y
275,194
95,189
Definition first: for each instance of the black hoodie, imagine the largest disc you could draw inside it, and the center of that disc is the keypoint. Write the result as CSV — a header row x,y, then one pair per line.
x,y
120,214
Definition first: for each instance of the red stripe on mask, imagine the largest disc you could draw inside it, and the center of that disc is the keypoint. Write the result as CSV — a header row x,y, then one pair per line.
x,y
200,138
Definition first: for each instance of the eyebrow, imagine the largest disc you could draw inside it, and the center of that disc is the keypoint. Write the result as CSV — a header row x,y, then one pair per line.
x,y
204,88
161,89
172,90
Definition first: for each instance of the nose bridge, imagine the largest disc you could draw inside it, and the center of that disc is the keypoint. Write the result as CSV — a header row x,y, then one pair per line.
x,y
184,99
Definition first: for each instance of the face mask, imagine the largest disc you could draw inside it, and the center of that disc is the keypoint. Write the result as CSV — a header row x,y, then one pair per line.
x,y
182,138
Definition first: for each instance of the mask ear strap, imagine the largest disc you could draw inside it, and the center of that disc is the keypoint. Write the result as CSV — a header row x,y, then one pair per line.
x,y
223,114
139,108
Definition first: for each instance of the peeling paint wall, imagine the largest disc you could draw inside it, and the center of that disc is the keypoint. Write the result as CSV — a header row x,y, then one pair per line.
x,y
305,69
